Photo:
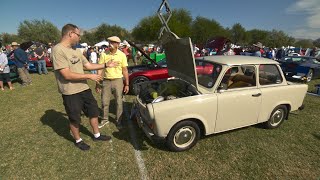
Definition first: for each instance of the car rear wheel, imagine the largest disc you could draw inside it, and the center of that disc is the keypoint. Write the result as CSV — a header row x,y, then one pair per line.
x,y
183,136
309,75
136,80
277,116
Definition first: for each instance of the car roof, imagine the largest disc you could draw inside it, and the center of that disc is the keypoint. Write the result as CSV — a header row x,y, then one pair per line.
x,y
237,60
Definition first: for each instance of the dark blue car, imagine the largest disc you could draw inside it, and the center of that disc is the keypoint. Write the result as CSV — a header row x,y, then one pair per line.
x,y
13,70
303,68
32,67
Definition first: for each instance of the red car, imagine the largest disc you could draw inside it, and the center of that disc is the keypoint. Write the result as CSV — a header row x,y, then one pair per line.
x,y
47,59
156,71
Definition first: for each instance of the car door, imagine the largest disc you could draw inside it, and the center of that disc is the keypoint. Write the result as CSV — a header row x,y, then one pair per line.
x,y
239,102
316,67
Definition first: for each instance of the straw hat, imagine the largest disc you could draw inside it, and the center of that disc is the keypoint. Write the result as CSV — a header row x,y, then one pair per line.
x,y
114,39
14,44
259,45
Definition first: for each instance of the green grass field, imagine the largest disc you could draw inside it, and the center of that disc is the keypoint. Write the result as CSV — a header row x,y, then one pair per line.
x,y
36,144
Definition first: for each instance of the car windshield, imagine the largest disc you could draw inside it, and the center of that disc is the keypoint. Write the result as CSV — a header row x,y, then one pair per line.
x,y
207,73
163,63
295,59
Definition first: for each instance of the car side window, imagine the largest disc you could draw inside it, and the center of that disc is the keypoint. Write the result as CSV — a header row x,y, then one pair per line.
x,y
239,77
316,61
269,74
207,73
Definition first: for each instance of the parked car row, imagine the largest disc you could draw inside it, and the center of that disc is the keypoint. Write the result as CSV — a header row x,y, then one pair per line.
x,y
303,68
294,68
32,66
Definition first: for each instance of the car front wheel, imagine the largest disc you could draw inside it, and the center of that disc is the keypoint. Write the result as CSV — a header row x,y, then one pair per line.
x,y
277,116
183,136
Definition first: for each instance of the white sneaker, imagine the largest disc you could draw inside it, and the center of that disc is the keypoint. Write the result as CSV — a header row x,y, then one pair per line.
x,y
103,122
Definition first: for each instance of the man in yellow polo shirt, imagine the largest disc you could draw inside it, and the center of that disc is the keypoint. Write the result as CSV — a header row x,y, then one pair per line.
x,y
113,81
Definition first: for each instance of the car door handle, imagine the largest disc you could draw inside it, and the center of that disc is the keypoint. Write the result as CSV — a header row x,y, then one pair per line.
x,y
256,95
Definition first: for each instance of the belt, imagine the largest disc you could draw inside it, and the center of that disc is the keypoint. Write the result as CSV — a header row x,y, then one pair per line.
x,y
105,79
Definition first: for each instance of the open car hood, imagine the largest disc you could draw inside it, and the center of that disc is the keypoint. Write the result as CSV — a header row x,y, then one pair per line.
x,y
217,43
143,53
180,59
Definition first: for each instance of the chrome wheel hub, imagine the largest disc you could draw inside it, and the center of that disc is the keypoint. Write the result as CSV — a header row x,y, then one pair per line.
x,y
277,117
184,136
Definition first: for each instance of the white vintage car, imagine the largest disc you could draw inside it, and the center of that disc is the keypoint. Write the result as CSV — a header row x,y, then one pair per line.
x,y
212,95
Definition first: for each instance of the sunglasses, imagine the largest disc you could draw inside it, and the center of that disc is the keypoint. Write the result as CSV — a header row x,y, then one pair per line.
x,y
76,34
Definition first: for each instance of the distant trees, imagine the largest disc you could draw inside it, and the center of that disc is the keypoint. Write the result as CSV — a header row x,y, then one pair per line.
x,y
148,28
102,32
203,29
38,30
304,43
238,34
9,38
316,42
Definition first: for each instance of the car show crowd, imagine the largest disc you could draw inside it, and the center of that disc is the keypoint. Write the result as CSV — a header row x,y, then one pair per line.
x,y
37,55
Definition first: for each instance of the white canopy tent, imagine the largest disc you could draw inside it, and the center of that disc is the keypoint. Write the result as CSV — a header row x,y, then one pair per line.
x,y
104,42
84,44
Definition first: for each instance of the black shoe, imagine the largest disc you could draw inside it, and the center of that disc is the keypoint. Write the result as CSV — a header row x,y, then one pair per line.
x,y
102,138
82,145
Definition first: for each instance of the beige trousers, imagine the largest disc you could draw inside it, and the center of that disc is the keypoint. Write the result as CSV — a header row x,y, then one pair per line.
x,y
24,75
114,86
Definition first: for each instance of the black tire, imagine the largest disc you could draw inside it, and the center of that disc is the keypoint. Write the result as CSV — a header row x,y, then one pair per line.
x,y
277,117
183,136
310,75
138,79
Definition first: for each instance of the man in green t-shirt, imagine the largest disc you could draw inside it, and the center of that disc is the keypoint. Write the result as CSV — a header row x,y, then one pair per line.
x,y
68,64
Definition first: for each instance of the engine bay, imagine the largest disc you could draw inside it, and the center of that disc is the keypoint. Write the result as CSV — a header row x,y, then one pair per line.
x,y
163,90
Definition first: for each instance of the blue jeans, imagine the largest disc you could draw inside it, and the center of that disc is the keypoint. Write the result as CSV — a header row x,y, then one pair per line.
x,y
42,65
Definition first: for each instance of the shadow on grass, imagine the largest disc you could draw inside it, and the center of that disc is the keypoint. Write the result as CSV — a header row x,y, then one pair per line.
x,y
60,124
135,135
316,135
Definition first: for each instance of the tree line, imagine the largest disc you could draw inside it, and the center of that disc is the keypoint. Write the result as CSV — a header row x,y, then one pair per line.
x,y
147,30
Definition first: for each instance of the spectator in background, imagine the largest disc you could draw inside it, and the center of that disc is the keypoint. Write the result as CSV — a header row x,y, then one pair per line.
x,y
134,55
313,52
39,54
280,53
228,50
49,50
4,71
256,49
125,49
93,58
269,53
273,53
195,49
21,61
